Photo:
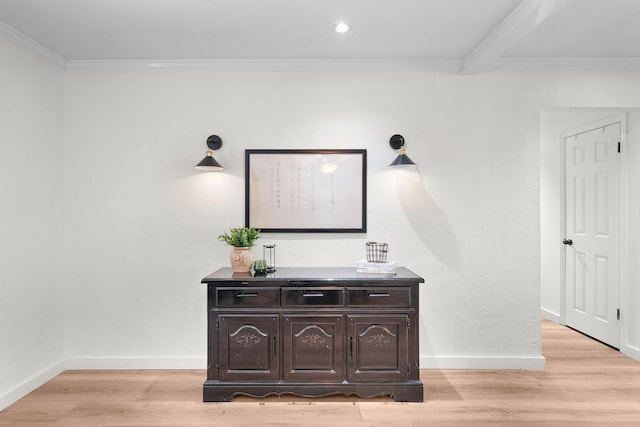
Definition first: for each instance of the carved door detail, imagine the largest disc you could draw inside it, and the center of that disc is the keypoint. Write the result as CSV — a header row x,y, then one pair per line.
x,y
314,347
248,347
377,347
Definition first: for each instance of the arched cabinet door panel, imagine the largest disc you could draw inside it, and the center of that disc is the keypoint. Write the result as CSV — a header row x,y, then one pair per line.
x,y
313,347
248,347
378,347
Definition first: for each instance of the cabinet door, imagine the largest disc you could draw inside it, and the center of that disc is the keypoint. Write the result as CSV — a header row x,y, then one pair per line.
x,y
377,347
248,347
313,348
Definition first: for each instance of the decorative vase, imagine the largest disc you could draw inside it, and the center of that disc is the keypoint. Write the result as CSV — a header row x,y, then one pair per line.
x,y
241,259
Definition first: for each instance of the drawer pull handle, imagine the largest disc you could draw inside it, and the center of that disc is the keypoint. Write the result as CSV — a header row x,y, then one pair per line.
x,y
246,294
313,295
379,294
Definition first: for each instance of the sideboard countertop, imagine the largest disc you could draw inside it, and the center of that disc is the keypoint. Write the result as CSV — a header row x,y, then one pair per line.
x,y
316,274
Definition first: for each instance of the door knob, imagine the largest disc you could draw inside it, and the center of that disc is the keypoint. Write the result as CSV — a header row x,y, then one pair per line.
x,y
567,242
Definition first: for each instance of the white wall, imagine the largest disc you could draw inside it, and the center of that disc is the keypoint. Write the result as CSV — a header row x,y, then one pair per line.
x,y
143,223
32,291
553,124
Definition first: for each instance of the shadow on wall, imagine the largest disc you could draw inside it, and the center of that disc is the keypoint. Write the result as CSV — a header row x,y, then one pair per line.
x,y
427,219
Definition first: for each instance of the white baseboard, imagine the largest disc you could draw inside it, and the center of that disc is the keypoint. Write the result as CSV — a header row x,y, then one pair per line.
x,y
137,363
482,362
631,351
554,317
31,384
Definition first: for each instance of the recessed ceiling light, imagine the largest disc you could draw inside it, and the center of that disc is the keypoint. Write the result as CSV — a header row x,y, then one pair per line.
x,y
342,27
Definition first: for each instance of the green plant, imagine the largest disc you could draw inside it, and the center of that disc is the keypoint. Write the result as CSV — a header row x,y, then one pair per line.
x,y
240,237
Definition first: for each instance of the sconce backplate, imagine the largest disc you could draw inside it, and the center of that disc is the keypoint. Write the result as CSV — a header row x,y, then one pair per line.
x,y
396,141
214,142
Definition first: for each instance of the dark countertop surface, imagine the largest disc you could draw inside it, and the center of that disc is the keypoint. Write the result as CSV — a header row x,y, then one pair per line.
x,y
316,274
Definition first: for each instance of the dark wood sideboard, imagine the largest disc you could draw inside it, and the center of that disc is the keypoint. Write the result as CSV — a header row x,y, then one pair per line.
x,y
313,332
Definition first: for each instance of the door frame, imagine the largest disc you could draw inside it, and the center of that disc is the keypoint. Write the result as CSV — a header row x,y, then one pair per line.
x,y
623,245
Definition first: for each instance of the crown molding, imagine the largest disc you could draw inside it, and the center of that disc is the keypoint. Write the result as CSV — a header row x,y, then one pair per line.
x,y
266,65
31,45
569,64
452,66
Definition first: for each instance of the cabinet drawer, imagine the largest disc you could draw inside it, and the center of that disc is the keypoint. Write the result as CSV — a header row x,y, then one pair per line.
x,y
248,297
312,296
386,297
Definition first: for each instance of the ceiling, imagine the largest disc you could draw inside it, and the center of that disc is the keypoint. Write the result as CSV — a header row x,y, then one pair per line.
x,y
467,36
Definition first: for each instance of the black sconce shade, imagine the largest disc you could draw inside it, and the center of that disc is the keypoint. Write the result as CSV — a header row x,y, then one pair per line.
x,y
209,163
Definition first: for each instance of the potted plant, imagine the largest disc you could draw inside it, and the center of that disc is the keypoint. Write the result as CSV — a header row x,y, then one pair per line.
x,y
242,240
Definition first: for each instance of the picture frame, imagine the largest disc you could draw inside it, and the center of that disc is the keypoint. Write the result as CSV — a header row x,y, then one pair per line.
x,y
306,190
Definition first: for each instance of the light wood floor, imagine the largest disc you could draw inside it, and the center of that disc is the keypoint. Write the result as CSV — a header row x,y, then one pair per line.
x,y
585,382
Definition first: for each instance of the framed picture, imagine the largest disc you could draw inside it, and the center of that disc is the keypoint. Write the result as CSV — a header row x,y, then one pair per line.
x,y
306,191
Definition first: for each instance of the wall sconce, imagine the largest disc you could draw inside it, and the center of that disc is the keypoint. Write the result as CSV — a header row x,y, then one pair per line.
x,y
397,142
209,163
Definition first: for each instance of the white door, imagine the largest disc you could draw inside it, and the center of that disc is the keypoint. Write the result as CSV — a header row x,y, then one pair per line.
x,y
592,241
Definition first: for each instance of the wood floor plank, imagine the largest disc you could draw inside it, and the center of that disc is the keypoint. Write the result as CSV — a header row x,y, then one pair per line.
x,y
584,383
249,413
